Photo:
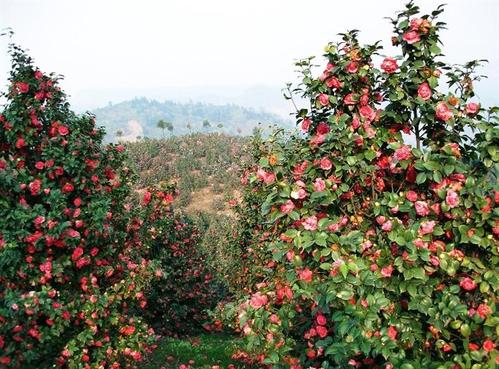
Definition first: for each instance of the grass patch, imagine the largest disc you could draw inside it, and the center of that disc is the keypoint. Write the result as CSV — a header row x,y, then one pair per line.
x,y
205,350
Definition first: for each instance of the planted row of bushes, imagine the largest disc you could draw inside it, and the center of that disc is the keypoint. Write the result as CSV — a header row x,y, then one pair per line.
x,y
78,255
375,231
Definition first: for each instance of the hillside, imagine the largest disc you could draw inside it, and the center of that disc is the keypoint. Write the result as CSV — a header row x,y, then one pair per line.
x,y
206,172
137,118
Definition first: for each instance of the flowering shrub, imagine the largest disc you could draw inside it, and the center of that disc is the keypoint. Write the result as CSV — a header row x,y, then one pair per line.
x,y
383,253
71,263
186,289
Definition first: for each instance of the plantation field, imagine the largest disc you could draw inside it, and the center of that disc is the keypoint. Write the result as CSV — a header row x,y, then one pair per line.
x,y
344,244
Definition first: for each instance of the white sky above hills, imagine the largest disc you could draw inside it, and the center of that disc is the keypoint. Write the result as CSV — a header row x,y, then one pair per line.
x,y
110,50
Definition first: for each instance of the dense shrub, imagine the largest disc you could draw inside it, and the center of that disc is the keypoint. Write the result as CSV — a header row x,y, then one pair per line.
x,y
71,265
180,299
383,254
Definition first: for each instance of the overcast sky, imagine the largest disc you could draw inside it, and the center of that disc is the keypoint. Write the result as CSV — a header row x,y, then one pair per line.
x,y
142,44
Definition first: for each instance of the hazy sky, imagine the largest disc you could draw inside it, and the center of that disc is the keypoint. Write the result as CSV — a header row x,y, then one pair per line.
x,y
136,44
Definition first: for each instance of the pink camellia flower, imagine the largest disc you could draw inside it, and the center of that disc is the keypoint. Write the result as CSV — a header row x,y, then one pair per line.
x,y
402,153
389,65
349,99
443,112
305,125
452,198
411,37
472,108
63,130
325,163
266,177
323,99
427,227
258,300
392,333
35,187
416,23
467,284
352,67
319,185
387,271
299,194
387,226
355,122
434,260
424,91
380,219
422,208
310,223
305,275
368,113
317,140
321,319
333,82
287,207
411,196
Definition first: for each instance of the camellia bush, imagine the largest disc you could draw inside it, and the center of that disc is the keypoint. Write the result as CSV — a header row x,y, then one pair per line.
x,y
71,266
381,219
179,300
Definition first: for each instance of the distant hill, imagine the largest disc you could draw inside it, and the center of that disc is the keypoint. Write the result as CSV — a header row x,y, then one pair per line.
x,y
138,118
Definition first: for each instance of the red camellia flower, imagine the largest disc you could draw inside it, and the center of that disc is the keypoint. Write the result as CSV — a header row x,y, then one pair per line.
x,y
20,143
483,310
67,188
489,345
389,65
22,87
411,37
392,333
424,91
321,331
473,347
467,284
77,253
127,330
443,112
